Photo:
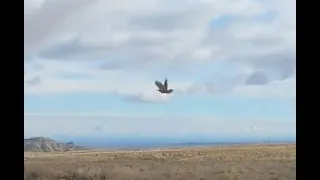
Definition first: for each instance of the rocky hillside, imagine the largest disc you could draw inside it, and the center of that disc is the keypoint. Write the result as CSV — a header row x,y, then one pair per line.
x,y
44,144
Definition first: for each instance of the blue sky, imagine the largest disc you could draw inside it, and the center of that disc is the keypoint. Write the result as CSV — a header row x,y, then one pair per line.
x,y
90,72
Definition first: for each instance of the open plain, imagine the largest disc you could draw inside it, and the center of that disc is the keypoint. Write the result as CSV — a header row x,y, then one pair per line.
x,y
265,162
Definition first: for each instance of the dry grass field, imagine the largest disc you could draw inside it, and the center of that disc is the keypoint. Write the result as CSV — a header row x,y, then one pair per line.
x,y
218,163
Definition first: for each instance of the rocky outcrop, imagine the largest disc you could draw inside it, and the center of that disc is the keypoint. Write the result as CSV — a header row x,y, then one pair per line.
x,y
44,144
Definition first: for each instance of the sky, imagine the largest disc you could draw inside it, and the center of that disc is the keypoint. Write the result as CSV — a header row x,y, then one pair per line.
x,y
90,67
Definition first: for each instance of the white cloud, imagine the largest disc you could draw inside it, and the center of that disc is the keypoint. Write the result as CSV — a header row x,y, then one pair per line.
x,y
121,44
34,81
279,89
101,128
149,97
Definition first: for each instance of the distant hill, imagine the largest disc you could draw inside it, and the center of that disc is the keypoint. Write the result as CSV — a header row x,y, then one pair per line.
x,y
45,144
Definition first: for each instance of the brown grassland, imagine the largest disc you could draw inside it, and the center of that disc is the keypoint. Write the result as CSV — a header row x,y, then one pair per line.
x,y
276,162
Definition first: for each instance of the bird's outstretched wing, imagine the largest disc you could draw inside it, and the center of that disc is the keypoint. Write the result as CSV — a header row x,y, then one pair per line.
x,y
165,84
160,85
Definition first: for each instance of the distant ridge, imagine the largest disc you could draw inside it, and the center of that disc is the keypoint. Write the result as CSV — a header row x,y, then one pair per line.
x,y
45,144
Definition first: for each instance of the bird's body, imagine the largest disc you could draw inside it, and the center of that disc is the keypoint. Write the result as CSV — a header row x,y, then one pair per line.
x,y
163,88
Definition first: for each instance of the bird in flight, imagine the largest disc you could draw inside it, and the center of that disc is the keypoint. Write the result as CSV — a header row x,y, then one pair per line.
x,y
163,88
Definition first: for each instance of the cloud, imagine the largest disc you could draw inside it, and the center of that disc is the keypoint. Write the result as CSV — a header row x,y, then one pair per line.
x,y
101,128
34,81
110,66
123,46
257,78
279,89
148,97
